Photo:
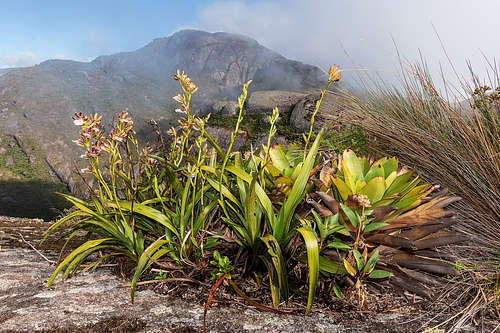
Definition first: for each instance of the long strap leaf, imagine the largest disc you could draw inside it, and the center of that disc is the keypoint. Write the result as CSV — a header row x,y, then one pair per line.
x,y
261,194
82,248
296,195
311,243
147,211
145,260
279,265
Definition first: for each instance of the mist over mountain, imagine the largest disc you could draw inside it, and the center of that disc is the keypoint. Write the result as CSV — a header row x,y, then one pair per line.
x,y
36,103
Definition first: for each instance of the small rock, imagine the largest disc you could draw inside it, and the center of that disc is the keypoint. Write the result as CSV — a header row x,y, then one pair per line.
x,y
330,108
263,102
275,140
228,108
223,137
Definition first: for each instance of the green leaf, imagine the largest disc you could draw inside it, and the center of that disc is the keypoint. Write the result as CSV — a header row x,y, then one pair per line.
x,y
351,166
360,263
375,171
330,266
157,192
273,281
282,225
183,218
389,179
372,261
374,189
147,211
317,217
421,190
332,220
145,260
174,181
225,192
311,243
58,223
390,165
337,291
200,219
379,274
279,160
261,194
242,188
251,223
106,224
352,216
343,189
82,248
75,263
279,265
399,184
375,226
213,144
365,164
338,245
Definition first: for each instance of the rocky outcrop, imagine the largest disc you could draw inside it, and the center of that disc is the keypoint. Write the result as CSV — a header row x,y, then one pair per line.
x,y
330,108
263,102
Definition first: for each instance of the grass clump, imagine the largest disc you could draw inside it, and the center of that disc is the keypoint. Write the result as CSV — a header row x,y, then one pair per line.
x,y
452,141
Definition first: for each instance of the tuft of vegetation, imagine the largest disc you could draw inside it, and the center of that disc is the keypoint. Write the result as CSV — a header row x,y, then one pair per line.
x,y
170,206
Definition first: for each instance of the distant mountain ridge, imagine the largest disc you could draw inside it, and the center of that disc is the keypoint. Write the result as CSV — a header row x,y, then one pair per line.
x,y
36,103
4,70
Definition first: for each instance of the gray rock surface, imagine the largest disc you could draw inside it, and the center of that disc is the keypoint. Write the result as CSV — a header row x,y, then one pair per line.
x,y
275,140
330,108
96,302
90,301
226,108
264,101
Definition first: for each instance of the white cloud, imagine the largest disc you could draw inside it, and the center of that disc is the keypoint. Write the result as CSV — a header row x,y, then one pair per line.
x,y
21,59
320,31
62,56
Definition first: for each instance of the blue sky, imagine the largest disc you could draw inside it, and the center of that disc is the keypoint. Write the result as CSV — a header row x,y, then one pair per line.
x,y
319,32
34,30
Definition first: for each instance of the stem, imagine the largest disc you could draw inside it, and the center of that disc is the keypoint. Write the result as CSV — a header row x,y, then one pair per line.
x,y
316,109
241,101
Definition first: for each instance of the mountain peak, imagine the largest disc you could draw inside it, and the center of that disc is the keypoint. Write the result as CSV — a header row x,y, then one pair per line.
x,y
36,103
